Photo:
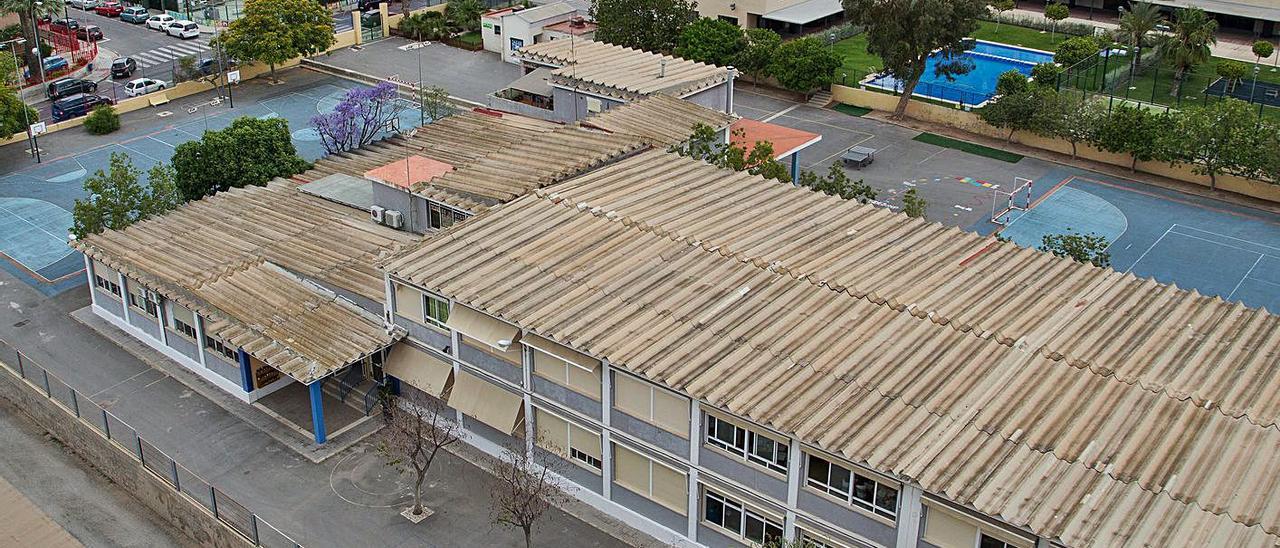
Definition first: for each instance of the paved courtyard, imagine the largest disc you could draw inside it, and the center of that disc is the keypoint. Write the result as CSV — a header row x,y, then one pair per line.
x,y
471,75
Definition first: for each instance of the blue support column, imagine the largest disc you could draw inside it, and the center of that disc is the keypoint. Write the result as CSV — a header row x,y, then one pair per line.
x,y
317,410
246,373
795,167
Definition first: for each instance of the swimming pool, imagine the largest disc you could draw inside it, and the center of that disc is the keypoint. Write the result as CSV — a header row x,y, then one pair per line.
x,y
990,60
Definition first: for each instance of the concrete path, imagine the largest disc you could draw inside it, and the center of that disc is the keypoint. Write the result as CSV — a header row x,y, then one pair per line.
x,y
51,497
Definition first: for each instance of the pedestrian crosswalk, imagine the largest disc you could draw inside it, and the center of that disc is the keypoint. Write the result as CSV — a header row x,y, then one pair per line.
x,y
169,54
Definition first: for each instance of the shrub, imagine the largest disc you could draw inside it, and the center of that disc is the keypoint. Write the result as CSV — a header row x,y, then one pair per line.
x,y
430,25
102,120
1011,82
1074,50
1046,74
1039,23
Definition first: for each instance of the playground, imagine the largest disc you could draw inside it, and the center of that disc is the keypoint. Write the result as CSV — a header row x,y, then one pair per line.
x,y
36,200
1217,249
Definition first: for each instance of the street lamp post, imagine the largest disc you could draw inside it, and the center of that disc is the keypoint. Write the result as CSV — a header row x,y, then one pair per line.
x,y
26,116
35,33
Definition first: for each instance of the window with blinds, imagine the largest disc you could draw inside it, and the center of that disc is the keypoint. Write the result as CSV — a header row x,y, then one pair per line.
x,y
566,374
182,320
650,478
579,445
646,401
106,278
408,302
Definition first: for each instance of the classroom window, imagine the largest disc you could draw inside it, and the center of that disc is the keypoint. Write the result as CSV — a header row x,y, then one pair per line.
x,y
437,311
567,439
651,479
144,300
747,444
855,489
647,402
566,374
219,347
106,278
182,320
732,516
810,540
441,217
987,541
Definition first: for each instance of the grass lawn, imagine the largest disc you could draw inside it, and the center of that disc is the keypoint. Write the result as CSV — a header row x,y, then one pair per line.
x,y
852,110
472,38
1019,36
971,148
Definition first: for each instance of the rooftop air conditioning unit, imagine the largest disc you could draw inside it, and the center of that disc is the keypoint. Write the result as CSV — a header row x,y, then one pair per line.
x,y
376,213
578,22
393,219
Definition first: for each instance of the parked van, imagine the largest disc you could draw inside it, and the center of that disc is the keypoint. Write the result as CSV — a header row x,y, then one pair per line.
x,y
76,105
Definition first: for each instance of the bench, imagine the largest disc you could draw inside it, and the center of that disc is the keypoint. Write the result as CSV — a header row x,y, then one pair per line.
x,y
158,98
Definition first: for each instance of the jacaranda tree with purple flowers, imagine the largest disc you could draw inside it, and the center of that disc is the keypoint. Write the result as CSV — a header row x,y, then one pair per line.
x,y
363,115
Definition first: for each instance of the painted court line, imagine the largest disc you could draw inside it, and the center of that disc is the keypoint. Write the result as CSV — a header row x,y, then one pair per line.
x,y
781,112
1144,253
1246,276
1250,242
36,226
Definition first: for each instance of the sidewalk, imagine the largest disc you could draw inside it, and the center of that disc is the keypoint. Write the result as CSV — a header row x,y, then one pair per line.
x,y
350,500
1230,45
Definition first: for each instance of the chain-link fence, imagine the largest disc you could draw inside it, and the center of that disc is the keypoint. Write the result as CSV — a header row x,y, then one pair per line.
x,y
185,482
1149,79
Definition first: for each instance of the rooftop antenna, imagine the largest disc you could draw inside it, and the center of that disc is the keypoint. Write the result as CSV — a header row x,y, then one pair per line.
x,y
573,71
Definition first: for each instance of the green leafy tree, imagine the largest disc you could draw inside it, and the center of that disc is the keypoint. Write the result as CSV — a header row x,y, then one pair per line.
x,y
14,114
1136,22
1056,12
275,31
1046,74
804,64
250,151
904,33
1262,49
758,53
1134,131
704,144
434,102
430,25
1020,111
1189,44
102,120
1002,6
711,41
116,198
1011,82
27,11
1082,248
463,15
1233,72
1218,138
650,25
837,183
1075,49
913,205
1072,121
8,70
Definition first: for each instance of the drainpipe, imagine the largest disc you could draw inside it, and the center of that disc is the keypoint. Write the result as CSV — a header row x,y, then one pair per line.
x,y
728,101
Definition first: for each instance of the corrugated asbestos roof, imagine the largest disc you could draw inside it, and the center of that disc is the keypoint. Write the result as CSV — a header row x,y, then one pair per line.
x,y
1082,404
624,73
209,256
662,119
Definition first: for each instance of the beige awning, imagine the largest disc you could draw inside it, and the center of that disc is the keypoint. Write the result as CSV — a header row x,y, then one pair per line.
x,y
482,327
419,369
561,351
485,402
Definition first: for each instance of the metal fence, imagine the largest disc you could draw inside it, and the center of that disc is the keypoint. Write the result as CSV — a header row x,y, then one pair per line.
x,y
191,486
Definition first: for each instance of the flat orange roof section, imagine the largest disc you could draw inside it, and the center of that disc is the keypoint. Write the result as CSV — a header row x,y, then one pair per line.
x,y
406,172
786,141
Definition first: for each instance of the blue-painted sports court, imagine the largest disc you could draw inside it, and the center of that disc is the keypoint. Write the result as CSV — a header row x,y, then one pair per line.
x,y
36,202
1196,243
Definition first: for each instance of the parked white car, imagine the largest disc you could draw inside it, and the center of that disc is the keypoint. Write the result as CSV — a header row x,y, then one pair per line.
x,y
183,29
160,22
142,86
84,4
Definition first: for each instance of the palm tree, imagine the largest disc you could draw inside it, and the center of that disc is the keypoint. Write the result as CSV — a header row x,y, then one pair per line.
x,y
27,11
1135,23
1188,44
